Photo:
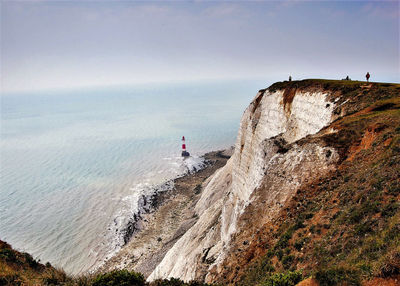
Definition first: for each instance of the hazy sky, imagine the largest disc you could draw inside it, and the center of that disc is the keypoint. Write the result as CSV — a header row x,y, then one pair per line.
x,y
56,44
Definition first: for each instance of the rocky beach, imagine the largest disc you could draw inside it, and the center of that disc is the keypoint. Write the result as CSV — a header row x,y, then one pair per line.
x,y
168,216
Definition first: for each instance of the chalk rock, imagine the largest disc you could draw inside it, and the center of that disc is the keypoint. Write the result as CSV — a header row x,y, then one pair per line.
x,y
271,122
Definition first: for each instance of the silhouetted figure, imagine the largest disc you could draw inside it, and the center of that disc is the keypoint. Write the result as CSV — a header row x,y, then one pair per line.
x,y
367,76
290,78
347,78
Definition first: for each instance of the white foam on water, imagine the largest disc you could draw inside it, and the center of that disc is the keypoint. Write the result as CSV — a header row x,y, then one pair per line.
x,y
194,164
139,202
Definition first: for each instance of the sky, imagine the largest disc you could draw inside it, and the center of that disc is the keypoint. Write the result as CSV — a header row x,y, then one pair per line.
x,y
72,44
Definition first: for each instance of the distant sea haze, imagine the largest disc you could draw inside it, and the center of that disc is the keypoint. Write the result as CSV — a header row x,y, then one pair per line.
x,y
74,162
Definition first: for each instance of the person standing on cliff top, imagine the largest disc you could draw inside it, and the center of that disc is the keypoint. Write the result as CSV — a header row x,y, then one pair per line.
x,y
367,76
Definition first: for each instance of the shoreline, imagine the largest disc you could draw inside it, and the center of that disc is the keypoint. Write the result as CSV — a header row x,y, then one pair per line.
x,y
166,216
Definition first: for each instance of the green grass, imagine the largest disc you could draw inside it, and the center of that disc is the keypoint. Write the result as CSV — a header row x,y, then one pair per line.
x,y
119,278
334,85
337,276
22,269
289,278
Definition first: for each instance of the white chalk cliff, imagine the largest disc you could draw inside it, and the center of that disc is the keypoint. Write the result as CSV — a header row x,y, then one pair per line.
x,y
273,120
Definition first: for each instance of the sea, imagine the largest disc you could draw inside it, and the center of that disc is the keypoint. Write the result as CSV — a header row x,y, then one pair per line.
x,y
74,163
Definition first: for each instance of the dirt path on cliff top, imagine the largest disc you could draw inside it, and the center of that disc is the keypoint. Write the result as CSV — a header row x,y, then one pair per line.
x,y
172,217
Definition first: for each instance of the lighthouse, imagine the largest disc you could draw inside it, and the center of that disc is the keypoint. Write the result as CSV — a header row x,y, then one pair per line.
x,y
184,152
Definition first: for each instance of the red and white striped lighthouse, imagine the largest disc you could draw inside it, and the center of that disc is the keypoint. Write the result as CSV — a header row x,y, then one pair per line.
x,y
184,152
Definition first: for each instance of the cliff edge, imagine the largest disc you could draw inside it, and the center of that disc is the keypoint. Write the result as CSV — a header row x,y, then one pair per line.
x,y
294,138
310,195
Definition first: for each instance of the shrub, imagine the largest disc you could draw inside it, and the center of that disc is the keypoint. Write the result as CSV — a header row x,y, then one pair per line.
x,y
372,248
393,233
283,241
168,282
54,277
257,272
29,259
390,265
390,209
299,244
356,214
378,184
279,254
13,279
308,215
393,189
266,266
289,278
365,268
287,261
363,228
197,189
8,255
119,278
337,276
84,280
270,253
176,282
299,224
51,280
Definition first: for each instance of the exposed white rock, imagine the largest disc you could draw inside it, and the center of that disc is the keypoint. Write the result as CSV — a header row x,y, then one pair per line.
x,y
232,187
308,113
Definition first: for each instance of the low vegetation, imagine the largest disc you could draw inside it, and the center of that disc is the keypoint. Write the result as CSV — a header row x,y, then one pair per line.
x,y
18,268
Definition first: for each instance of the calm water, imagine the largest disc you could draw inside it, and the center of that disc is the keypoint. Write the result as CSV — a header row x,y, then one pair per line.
x,y
73,163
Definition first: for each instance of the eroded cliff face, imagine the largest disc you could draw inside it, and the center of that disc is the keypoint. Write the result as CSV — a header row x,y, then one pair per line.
x,y
269,163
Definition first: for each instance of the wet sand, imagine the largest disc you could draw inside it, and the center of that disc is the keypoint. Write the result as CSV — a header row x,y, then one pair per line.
x,y
171,216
